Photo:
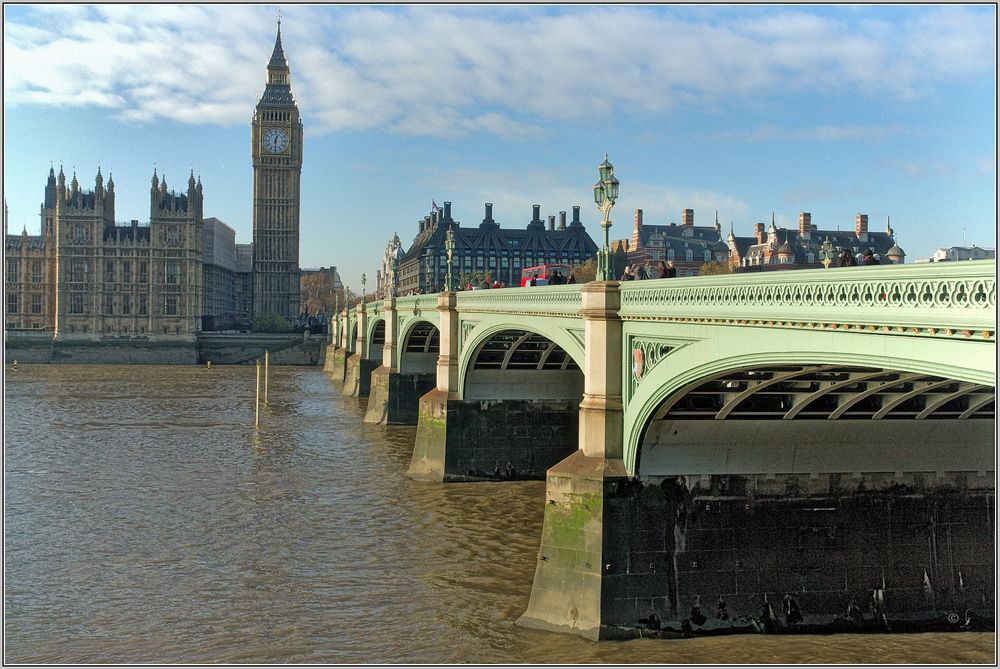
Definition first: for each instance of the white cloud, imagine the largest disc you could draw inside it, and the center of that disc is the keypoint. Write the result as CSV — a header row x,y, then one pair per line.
x,y
452,71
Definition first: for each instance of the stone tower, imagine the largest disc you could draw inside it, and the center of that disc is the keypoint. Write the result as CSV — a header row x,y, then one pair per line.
x,y
276,147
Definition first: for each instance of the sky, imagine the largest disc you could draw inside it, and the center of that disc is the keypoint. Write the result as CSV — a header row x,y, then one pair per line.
x,y
749,111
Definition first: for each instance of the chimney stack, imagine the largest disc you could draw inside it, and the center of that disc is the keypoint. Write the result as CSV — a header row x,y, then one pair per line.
x,y
562,220
861,226
688,215
758,231
637,229
552,223
447,211
576,222
421,224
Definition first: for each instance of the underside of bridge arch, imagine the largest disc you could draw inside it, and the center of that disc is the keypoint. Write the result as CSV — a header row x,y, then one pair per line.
x,y
518,414
358,376
809,497
395,395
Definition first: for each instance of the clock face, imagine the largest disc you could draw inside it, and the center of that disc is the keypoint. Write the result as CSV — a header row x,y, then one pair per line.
x,y
275,140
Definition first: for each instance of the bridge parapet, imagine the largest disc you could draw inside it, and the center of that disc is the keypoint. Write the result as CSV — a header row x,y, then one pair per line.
x,y
561,300
956,299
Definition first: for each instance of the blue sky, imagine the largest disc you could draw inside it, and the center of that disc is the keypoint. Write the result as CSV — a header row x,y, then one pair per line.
x,y
888,110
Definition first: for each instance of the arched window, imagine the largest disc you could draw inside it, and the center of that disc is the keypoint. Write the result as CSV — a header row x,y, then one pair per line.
x,y
708,255
670,254
689,255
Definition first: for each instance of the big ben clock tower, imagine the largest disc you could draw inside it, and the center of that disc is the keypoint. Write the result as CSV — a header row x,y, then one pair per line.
x,y
276,146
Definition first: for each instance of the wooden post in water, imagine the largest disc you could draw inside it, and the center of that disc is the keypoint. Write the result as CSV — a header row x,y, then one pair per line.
x,y
267,366
256,419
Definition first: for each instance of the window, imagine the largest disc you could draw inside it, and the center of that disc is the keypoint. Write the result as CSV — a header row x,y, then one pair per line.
x,y
36,271
12,270
76,303
170,305
708,255
109,303
143,308
12,303
126,304
689,255
78,271
810,258
670,254
143,271
173,236
36,303
79,233
173,271
109,271
126,271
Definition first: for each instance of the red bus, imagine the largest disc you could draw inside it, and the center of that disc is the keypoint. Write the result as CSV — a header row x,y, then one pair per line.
x,y
542,272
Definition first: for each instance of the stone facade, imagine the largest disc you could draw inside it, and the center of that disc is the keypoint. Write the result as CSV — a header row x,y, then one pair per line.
x,y
276,148
87,276
689,246
489,250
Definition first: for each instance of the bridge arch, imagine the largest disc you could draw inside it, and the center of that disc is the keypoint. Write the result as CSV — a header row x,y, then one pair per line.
x,y
376,339
503,360
856,357
419,347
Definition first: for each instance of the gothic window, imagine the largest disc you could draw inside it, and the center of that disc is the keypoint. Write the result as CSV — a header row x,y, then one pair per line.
x,y
79,233
12,303
126,304
143,308
109,271
109,303
170,305
173,272
78,271
143,271
126,271
173,235
36,271
76,303
12,270
36,303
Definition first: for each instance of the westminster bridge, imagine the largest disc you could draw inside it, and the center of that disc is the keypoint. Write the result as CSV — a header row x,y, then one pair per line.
x,y
808,449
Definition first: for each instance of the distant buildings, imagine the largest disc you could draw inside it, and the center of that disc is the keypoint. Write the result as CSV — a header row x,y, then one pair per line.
x,y
489,251
89,276
773,248
961,253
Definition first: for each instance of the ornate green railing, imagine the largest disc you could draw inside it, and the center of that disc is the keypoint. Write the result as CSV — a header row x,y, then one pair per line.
x,y
540,300
938,298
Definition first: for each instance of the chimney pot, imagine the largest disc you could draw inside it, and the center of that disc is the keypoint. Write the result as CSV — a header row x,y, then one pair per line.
x,y
447,211
562,220
552,223
688,215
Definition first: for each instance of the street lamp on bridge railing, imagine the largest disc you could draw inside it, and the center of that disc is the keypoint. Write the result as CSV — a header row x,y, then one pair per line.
x,y
449,247
362,289
827,253
605,194
392,277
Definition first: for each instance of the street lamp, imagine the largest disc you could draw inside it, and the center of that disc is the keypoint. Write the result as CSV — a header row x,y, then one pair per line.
x,y
362,289
392,277
449,247
826,252
429,274
605,194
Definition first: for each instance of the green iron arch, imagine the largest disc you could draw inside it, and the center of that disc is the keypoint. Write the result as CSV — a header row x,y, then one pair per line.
x,y
689,366
520,335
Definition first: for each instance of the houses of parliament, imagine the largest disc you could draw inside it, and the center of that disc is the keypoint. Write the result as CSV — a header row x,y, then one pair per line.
x,y
88,276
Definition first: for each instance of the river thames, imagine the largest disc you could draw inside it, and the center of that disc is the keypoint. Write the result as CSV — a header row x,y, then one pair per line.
x,y
148,521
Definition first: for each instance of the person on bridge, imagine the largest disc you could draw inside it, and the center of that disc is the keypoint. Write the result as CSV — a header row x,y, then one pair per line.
x,y
846,259
627,274
665,270
870,257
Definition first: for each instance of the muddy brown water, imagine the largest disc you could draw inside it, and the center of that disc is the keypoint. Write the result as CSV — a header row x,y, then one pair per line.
x,y
146,520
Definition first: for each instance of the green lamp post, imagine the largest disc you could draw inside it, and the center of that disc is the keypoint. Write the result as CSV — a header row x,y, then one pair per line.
x,y
449,247
605,194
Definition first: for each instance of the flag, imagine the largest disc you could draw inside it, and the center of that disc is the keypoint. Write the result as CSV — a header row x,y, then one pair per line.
x,y
434,205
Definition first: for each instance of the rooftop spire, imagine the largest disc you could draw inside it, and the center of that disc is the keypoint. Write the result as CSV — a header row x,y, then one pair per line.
x,y
278,55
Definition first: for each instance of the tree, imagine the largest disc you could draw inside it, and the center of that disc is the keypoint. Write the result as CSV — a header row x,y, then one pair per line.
x,y
271,322
585,271
716,267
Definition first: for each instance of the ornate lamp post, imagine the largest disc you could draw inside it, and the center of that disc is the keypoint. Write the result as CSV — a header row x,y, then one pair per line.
x,y
449,247
605,194
362,288
429,274
827,253
392,277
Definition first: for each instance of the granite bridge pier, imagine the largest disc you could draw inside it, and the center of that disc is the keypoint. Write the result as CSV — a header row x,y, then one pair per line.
x,y
808,450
